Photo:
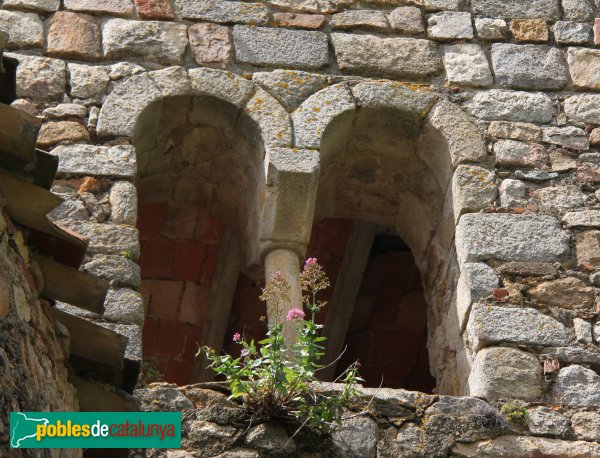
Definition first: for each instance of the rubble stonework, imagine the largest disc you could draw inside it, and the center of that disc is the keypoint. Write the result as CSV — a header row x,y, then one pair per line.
x,y
468,128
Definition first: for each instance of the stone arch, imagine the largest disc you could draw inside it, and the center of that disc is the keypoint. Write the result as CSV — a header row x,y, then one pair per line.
x,y
206,142
133,109
406,159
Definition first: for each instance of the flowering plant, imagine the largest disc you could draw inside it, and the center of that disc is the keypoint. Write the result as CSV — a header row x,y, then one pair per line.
x,y
274,380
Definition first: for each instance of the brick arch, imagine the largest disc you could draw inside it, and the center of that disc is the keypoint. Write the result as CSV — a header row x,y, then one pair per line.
x,y
403,158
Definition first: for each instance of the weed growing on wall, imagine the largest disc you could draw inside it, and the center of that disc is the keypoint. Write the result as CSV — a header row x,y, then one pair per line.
x,y
274,380
515,411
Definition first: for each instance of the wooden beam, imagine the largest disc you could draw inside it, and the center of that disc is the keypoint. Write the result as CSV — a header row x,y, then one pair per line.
x,y
94,348
66,284
345,293
29,205
94,398
221,300
18,133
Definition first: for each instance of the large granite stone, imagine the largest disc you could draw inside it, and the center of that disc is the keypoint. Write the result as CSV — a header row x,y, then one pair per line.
x,y
108,238
210,44
576,386
510,238
572,33
587,248
491,29
466,64
290,87
42,6
583,218
584,66
504,105
25,30
513,446
567,137
548,9
117,161
505,373
489,325
453,419
88,82
123,203
583,108
120,269
544,421
531,67
124,306
390,57
559,197
407,20
266,47
360,20
569,292
450,26
40,78
357,437
512,153
223,11
586,425
577,10
512,193
473,188
73,36
101,7
152,41
477,281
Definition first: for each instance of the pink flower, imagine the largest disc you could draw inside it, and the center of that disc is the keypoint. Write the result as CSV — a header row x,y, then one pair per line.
x,y
237,337
295,314
310,262
244,352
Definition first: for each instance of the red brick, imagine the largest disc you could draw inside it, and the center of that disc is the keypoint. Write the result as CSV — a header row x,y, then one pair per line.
x,y
192,340
170,338
208,228
194,304
165,296
154,9
189,260
178,372
181,220
157,258
149,336
334,235
210,265
151,220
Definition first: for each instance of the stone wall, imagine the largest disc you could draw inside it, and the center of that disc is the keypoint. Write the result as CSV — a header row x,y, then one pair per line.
x,y
384,423
34,350
469,129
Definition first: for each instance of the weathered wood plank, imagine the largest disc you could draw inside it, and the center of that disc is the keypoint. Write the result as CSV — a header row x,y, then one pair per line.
x,y
345,294
28,205
66,284
221,301
94,347
93,398
18,133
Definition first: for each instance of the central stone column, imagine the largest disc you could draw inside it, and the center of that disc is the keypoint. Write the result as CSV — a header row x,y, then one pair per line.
x,y
285,261
285,224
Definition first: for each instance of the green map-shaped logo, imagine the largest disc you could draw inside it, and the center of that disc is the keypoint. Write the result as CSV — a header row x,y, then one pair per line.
x,y
23,428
